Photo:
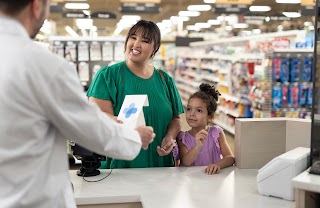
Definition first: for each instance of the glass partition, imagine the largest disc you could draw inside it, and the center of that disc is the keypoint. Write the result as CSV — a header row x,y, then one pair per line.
x,y
315,128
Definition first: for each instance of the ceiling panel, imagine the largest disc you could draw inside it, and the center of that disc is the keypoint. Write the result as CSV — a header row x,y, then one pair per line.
x,y
168,8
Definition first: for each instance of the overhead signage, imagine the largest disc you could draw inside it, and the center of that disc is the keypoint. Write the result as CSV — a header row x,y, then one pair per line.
x,y
230,9
261,17
140,8
74,15
141,1
308,3
248,2
103,15
56,7
307,11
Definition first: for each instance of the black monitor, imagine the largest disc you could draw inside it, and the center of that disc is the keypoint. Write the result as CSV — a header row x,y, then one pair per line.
x,y
90,161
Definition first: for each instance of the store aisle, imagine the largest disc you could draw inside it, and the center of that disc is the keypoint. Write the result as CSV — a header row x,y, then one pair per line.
x,y
230,137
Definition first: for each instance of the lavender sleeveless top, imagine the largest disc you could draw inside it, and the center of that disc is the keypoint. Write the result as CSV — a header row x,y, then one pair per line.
x,y
210,152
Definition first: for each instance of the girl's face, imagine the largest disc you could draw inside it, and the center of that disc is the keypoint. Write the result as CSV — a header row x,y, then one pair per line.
x,y
197,113
139,49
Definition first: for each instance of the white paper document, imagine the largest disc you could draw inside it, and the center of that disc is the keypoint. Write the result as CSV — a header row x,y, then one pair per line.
x,y
131,112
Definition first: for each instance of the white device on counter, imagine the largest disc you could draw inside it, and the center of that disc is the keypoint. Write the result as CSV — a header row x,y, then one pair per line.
x,y
275,178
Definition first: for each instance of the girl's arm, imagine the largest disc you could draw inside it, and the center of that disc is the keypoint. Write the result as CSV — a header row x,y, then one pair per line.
x,y
169,139
187,157
228,158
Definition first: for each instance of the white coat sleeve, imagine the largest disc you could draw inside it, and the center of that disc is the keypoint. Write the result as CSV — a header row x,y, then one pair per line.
x,y
69,110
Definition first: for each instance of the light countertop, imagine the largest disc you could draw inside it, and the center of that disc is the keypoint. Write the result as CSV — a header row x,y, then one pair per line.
x,y
176,187
307,182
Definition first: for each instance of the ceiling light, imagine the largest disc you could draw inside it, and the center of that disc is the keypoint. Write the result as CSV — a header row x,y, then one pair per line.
x,y
87,12
288,1
259,8
71,31
267,19
77,6
134,17
202,25
178,18
209,1
192,27
117,31
291,14
84,23
240,25
214,22
204,7
189,13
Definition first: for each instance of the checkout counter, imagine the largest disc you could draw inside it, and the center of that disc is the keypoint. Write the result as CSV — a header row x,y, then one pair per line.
x,y
176,187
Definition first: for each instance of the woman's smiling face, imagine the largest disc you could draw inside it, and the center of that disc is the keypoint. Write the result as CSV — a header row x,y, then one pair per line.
x,y
139,48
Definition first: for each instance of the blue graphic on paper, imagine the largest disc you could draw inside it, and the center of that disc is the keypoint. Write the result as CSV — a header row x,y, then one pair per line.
x,y
130,110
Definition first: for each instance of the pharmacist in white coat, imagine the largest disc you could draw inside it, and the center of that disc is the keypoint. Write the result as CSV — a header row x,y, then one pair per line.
x,y
42,104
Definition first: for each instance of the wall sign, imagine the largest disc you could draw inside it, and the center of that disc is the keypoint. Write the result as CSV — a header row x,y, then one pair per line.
x,y
230,9
103,15
74,15
140,8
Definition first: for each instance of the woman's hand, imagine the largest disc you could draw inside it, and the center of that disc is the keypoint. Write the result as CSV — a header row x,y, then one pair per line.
x,y
115,118
211,169
167,146
201,136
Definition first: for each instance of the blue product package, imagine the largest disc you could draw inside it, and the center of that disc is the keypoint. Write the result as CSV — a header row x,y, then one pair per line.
x,y
295,64
285,95
303,93
293,100
277,96
309,41
276,66
284,70
307,69
310,94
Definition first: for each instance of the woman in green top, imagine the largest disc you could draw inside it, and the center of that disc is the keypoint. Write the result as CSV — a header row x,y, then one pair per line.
x,y
135,76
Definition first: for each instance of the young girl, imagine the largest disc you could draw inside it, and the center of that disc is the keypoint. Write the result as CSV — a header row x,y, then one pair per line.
x,y
203,145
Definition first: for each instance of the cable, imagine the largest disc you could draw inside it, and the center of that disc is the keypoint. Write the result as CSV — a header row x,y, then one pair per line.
x,y
99,179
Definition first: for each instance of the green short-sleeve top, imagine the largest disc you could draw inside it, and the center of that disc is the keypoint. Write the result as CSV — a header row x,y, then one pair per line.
x,y
114,82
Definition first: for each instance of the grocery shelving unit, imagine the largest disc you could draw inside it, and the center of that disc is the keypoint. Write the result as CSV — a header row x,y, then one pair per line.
x,y
243,75
88,54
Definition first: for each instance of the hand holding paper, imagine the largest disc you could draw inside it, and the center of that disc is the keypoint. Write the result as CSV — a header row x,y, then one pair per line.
x,y
146,134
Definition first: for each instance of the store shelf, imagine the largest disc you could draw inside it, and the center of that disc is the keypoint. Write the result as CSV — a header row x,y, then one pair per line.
x,y
260,37
230,97
227,111
294,50
230,129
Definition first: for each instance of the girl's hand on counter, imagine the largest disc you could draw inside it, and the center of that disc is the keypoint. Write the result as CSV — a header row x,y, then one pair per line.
x,y
167,146
212,169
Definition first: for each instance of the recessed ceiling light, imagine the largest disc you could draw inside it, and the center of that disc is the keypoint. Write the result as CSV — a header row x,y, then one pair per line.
x,y
77,6
259,8
291,14
204,7
189,13
209,1
288,1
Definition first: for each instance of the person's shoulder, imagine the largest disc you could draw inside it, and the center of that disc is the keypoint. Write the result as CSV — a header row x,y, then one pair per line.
x,y
44,57
113,67
215,129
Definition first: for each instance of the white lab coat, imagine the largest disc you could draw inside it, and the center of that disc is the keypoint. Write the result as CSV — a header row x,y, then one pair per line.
x,y
42,104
